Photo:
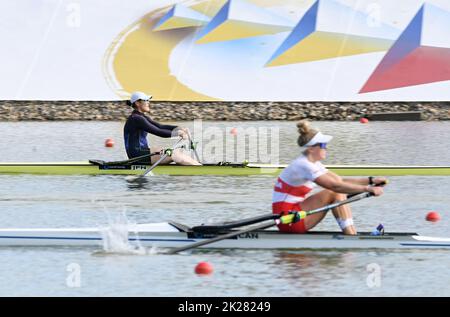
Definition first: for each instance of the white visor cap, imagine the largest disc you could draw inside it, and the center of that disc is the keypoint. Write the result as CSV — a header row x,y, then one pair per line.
x,y
319,138
139,96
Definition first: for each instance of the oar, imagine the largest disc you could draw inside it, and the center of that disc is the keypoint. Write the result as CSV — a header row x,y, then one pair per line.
x,y
193,147
167,152
287,219
132,160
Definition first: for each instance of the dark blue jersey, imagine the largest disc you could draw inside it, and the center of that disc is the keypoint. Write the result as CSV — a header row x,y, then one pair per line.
x,y
135,133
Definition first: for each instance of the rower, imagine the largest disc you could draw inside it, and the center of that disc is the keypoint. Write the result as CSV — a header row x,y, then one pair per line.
x,y
137,127
304,173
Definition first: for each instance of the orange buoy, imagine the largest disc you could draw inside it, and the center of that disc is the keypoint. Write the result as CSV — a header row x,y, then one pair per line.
x,y
233,131
109,142
203,268
433,216
364,120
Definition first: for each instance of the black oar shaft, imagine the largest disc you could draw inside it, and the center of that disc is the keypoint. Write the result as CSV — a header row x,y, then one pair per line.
x,y
222,237
235,224
136,159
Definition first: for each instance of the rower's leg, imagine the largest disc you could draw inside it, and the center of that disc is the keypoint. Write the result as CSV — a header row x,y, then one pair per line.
x,y
315,201
182,158
343,215
326,197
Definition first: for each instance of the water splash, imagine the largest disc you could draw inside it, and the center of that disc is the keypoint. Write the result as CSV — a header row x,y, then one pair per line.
x,y
115,237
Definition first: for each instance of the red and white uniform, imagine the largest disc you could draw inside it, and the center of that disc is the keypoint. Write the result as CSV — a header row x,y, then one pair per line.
x,y
291,188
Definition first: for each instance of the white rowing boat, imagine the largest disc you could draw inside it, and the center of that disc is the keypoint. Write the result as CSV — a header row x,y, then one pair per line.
x,y
174,235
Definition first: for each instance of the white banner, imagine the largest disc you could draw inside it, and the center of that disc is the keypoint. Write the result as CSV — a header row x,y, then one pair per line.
x,y
233,50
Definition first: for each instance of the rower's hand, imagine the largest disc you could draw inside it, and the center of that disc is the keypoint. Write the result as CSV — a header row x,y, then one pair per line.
x,y
186,130
375,190
380,181
183,134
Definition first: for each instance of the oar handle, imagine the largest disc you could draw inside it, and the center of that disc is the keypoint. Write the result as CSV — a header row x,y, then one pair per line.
x,y
376,185
381,184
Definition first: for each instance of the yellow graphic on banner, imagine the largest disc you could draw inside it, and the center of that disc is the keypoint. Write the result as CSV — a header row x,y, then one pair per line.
x,y
140,60
178,23
232,30
209,8
324,45
179,17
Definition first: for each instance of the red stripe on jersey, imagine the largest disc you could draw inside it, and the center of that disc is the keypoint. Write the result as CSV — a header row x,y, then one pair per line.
x,y
283,187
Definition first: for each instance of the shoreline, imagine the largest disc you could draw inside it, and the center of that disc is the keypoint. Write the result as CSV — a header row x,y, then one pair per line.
x,y
216,111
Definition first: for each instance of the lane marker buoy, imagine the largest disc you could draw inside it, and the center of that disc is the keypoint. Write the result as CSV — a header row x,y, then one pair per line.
x,y
203,268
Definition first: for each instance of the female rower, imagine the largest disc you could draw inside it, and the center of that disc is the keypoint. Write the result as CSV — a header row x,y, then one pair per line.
x,y
304,173
138,125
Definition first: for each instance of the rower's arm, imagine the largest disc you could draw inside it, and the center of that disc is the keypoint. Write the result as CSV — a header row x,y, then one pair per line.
x,y
151,128
336,184
162,126
360,181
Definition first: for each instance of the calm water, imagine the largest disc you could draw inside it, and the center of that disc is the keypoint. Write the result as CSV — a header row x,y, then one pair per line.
x,y
60,201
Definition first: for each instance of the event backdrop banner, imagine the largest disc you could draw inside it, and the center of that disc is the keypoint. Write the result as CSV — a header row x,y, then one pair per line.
x,y
230,50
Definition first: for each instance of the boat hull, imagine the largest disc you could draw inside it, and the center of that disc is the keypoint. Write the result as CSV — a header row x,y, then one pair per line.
x,y
165,235
86,168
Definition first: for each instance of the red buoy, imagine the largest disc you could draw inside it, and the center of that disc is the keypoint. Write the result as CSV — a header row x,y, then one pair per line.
x,y
433,216
203,268
109,142
233,131
364,120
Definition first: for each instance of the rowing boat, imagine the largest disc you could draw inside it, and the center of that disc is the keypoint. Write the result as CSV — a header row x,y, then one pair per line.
x,y
175,235
97,167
